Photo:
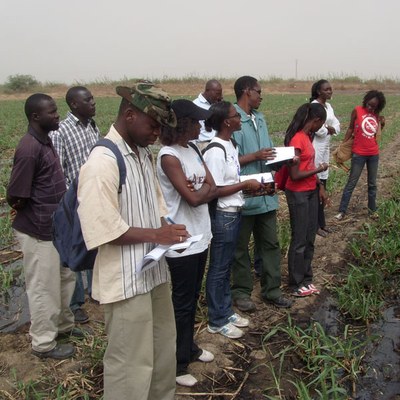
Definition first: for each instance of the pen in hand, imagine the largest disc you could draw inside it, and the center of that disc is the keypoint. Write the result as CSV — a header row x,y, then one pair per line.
x,y
171,222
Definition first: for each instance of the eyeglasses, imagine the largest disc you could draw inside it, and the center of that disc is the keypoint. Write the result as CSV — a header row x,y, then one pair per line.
x,y
237,115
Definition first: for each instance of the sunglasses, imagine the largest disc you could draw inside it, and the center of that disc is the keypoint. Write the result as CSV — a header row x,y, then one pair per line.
x,y
237,115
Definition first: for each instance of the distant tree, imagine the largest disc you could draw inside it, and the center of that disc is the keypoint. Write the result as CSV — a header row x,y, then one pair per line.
x,y
20,83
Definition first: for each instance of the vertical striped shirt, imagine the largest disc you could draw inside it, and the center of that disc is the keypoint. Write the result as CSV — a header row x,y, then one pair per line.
x,y
105,215
73,142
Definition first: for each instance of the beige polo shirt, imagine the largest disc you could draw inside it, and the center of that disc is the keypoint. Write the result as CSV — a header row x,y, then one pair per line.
x,y
105,215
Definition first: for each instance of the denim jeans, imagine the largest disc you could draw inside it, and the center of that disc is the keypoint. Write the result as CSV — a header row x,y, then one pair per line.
x,y
303,211
225,228
186,276
357,165
78,298
266,241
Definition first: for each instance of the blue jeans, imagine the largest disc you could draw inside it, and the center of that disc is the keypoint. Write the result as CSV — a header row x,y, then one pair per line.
x,y
78,298
303,211
225,228
357,165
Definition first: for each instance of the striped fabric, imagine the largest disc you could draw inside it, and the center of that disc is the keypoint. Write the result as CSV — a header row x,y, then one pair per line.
x,y
105,216
73,142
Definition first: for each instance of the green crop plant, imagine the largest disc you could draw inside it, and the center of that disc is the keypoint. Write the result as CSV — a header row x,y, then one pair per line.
x,y
6,278
330,364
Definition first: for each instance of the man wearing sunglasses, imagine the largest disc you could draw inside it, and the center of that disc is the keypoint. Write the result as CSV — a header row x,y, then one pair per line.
x,y
259,213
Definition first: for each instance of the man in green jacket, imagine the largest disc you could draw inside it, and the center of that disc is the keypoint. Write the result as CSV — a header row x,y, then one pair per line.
x,y
259,213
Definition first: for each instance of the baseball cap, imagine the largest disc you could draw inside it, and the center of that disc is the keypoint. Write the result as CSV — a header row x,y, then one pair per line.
x,y
150,99
187,109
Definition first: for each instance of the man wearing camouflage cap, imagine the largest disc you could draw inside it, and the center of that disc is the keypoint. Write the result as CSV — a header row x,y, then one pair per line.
x,y
140,357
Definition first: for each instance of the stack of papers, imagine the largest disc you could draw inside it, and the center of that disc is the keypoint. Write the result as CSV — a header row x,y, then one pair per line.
x,y
151,258
282,154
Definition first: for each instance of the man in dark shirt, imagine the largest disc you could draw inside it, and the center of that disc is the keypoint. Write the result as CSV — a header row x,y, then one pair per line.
x,y
36,186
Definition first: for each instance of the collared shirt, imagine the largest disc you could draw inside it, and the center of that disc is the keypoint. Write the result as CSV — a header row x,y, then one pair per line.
x,y
204,136
73,142
36,176
105,215
249,140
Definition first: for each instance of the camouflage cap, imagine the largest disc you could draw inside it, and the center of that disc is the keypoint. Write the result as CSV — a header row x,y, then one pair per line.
x,y
150,99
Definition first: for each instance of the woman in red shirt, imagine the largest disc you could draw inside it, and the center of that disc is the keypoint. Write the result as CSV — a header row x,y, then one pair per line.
x,y
303,191
363,127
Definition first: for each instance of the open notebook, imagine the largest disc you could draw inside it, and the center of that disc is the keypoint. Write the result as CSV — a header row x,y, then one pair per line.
x,y
151,258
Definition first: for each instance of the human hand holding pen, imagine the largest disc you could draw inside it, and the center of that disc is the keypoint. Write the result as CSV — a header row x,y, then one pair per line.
x,y
172,233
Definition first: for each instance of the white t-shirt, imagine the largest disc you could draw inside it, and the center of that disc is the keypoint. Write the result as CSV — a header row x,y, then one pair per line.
x,y
322,139
196,219
225,171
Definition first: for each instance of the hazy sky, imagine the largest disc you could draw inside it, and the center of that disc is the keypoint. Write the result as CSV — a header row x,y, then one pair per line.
x,y
85,40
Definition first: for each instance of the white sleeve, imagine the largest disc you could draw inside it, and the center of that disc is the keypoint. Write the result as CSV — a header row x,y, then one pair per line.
x,y
215,161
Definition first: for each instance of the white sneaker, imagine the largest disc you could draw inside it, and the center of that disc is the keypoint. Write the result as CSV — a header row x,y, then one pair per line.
x,y
186,380
237,320
206,356
228,330
339,216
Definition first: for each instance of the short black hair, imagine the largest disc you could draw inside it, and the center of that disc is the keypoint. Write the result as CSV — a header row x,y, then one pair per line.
x,y
33,103
379,95
72,92
315,88
243,83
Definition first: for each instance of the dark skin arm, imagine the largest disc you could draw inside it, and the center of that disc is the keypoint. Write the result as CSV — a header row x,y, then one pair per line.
x,y
350,129
296,174
265,154
17,203
173,169
167,234
249,185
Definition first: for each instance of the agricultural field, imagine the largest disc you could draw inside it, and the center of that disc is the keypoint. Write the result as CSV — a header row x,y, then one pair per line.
x,y
325,347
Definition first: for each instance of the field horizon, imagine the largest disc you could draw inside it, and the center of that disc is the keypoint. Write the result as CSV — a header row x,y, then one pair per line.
x,y
191,86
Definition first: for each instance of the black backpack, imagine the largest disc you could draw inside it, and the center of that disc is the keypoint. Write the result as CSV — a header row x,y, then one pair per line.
x,y
67,232
219,145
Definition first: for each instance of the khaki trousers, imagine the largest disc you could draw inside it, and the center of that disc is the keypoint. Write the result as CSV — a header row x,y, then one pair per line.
x,y
140,362
49,287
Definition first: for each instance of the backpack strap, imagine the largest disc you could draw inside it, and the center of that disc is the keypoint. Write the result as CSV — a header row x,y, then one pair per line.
x,y
120,159
196,149
215,144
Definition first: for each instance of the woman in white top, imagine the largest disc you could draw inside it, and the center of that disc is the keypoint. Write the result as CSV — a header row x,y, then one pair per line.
x,y
187,186
221,157
321,91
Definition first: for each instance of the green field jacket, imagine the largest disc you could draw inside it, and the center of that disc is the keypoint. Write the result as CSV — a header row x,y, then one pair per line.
x,y
250,140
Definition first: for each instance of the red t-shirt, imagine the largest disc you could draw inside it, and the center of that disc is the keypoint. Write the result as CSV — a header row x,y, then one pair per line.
x,y
365,128
302,142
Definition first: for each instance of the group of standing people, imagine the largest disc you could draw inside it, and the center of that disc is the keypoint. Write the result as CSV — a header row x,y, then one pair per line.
x,y
150,328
